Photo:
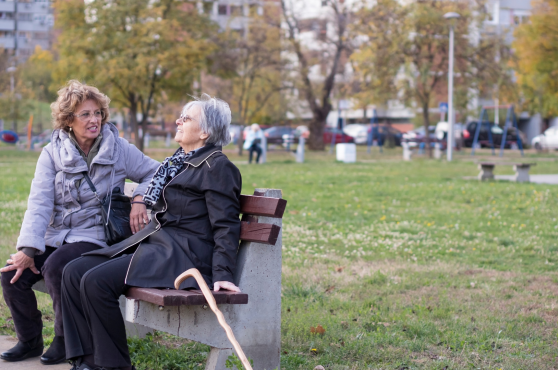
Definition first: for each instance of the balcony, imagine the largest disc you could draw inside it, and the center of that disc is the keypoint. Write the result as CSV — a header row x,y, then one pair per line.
x,y
6,24
7,42
32,26
6,6
35,8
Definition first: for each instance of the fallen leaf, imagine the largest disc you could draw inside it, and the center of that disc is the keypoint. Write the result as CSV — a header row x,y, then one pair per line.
x,y
314,200
317,330
330,289
293,212
420,361
339,269
344,324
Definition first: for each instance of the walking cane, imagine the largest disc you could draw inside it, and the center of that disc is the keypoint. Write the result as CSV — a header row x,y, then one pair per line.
x,y
211,300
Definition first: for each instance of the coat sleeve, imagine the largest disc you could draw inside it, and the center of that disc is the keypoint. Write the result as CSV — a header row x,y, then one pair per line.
x,y
222,185
139,167
40,205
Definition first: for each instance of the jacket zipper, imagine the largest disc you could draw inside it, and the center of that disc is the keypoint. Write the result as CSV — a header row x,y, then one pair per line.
x,y
155,216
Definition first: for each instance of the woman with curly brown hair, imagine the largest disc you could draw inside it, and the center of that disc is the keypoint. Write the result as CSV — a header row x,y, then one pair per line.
x,y
64,218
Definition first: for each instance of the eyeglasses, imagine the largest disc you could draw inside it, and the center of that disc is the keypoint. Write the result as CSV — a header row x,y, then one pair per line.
x,y
184,119
86,116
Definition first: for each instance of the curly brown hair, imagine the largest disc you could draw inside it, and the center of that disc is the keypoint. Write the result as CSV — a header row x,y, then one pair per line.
x,y
72,95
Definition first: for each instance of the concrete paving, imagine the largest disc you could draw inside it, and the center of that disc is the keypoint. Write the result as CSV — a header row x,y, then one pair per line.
x,y
536,179
7,342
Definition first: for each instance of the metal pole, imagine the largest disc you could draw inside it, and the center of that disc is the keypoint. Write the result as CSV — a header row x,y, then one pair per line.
x,y
451,117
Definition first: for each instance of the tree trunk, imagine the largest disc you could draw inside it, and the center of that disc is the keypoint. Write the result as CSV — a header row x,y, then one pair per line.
x,y
134,124
140,138
316,139
426,119
240,140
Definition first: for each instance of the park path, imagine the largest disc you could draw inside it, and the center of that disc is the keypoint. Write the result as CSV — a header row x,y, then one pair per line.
x,y
7,342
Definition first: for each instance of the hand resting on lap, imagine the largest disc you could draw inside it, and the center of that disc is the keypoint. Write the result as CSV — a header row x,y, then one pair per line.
x,y
21,262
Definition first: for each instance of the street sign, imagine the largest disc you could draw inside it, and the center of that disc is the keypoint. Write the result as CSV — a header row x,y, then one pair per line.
x,y
443,107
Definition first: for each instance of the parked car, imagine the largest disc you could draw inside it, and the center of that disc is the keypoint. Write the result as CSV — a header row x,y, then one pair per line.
x,y
275,134
497,133
417,136
546,140
358,132
340,137
383,133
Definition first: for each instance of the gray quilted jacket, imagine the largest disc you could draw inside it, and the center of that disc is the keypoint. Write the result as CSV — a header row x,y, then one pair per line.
x,y
61,207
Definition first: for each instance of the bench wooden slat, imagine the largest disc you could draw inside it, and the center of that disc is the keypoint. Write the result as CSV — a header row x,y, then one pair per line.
x,y
262,206
259,233
171,297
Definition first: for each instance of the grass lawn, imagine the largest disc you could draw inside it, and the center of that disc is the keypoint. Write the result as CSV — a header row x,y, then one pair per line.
x,y
405,265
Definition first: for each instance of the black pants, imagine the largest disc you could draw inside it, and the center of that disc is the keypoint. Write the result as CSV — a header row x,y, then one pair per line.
x,y
93,323
255,148
21,299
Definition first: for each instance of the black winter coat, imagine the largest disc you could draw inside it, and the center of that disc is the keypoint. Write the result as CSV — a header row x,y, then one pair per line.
x,y
195,223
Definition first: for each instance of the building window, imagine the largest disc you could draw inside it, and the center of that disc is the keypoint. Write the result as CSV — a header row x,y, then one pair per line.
x,y
222,9
24,16
208,7
236,10
253,10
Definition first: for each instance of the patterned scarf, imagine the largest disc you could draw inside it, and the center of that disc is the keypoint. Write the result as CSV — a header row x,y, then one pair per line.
x,y
170,167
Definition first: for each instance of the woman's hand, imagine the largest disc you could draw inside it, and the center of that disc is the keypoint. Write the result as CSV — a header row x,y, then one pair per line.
x,y
138,215
20,262
225,285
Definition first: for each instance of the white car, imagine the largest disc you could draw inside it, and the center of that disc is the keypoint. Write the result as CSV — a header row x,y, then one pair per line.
x,y
358,132
546,140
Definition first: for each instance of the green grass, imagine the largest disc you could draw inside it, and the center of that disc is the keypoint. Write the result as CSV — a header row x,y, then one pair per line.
x,y
405,265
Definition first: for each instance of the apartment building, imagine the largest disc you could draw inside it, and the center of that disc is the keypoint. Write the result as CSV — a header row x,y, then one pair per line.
x,y
232,14
24,25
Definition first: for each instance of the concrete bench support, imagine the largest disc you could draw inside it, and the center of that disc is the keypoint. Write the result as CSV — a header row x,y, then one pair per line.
x,y
522,172
407,152
486,172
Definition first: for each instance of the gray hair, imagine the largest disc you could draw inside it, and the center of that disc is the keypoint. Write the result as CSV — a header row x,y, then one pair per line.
x,y
214,120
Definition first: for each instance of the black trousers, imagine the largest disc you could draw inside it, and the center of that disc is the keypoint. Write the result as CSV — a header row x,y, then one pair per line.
x,y
93,323
21,299
255,148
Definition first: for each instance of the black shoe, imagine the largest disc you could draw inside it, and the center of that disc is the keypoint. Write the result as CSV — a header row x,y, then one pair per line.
x,y
56,353
23,350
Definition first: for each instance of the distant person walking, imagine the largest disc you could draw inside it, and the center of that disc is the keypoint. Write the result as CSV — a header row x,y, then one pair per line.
x,y
253,142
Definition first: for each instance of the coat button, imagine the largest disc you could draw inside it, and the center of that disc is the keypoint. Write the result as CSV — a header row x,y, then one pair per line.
x,y
57,243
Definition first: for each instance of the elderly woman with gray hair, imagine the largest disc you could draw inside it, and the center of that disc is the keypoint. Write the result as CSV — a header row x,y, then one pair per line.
x,y
195,196
63,218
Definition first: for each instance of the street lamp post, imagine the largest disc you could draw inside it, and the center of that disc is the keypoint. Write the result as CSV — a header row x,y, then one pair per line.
x,y
11,71
451,117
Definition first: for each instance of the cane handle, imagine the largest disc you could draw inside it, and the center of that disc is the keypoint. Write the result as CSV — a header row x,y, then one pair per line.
x,y
211,300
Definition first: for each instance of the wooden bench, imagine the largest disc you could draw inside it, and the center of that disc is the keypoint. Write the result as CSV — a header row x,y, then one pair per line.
x,y
254,315
521,170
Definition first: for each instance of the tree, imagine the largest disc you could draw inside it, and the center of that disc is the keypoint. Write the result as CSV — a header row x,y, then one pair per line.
x,y
536,47
36,76
250,67
139,52
377,60
420,34
315,64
